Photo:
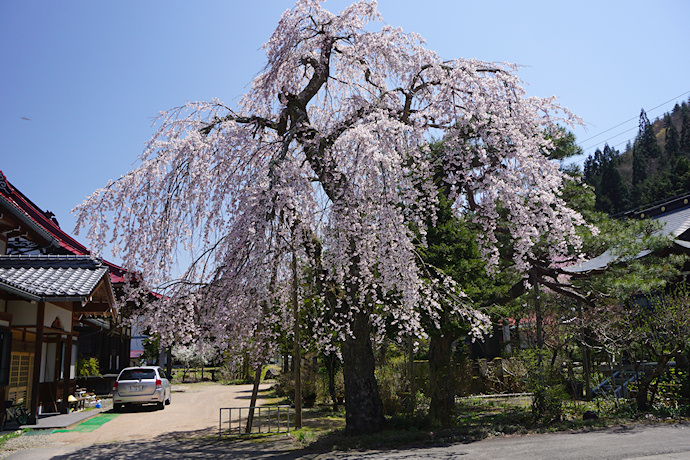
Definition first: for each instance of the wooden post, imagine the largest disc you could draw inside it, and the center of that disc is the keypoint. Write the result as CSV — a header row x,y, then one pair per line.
x,y
38,349
67,363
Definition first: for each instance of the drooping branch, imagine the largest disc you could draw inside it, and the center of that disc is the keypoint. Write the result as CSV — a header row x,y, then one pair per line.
x,y
259,122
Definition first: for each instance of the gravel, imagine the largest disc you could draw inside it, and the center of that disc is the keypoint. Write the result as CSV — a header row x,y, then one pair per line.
x,y
29,440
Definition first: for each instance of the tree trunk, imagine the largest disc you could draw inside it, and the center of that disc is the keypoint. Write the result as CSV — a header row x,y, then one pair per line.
x,y
440,380
363,406
587,369
642,397
297,351
168,363
412,400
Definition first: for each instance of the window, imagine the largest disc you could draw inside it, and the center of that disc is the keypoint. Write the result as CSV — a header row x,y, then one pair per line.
x,y
137,374
20,377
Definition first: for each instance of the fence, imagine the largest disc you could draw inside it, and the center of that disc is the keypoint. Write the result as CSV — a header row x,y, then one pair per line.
x,y
267,419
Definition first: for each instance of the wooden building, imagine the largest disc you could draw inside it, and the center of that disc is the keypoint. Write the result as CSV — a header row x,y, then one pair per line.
x,y
57,302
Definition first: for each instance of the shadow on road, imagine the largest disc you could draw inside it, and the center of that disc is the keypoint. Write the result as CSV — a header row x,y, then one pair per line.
x,y
248,395
190,445
131,408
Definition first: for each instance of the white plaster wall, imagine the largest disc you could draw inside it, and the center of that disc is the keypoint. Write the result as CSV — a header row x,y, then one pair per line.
x,y
48,356
53,311
23,312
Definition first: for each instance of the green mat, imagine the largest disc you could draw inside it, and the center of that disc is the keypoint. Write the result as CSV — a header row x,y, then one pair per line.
x,y
91,424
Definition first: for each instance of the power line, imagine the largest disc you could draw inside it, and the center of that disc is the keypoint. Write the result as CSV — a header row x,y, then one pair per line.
x,y
621,124
608,139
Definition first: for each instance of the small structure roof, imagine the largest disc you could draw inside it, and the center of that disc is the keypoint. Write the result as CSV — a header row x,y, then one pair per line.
x,y
56,278
675,222
674,216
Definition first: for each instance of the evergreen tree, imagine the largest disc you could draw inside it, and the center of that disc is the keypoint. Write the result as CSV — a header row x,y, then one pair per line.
x,y
684,143
646,139
639,166
611,192
645,173
672,146
681,176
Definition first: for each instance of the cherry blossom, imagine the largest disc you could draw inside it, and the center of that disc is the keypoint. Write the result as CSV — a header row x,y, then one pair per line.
x,y
329,143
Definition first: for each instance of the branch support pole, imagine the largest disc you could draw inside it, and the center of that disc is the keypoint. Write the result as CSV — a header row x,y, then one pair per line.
x,y
297,353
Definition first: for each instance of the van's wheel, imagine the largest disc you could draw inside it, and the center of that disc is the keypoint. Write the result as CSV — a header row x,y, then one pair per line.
x,y
161,405
118,407
169,400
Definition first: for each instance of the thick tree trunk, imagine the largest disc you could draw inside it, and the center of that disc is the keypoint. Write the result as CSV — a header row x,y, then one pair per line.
x,y
440,380
363,406
642,396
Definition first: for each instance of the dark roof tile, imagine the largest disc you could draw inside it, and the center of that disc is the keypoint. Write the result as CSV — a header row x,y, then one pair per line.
x,y
52,277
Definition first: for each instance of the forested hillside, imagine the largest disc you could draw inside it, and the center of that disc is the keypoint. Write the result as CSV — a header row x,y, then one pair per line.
x,y
654,167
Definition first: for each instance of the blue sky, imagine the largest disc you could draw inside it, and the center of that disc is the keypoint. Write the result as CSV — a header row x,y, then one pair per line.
x,y
81,81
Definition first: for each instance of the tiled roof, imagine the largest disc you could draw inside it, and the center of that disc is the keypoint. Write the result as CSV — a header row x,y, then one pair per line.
x,y
675,223
51,277
39,220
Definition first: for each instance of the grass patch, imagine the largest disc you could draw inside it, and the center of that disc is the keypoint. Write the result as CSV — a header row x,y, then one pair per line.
x,y
477,419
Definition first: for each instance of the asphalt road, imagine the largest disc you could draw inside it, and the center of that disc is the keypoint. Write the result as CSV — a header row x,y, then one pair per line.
x,y
657,441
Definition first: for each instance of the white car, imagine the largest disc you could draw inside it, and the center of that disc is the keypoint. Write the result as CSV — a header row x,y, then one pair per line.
x,y
141,385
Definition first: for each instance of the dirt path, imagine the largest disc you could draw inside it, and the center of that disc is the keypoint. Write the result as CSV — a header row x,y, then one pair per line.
x,y
194,411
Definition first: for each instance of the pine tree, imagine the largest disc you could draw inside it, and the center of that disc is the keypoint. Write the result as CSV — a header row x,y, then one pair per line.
x,y
611,194
672,146
639,166
684,143
646,139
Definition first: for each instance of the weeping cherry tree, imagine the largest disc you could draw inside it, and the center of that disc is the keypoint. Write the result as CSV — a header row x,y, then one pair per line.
x,y
330,142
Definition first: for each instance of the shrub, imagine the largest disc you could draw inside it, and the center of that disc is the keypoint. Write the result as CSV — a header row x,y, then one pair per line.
x,y
393,385
547,404
88,367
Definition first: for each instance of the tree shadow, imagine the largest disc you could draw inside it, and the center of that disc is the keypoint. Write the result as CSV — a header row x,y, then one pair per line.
x,y
200,444
247,394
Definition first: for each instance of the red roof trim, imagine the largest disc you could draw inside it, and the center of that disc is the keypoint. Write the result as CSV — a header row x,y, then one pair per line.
x,y
33,212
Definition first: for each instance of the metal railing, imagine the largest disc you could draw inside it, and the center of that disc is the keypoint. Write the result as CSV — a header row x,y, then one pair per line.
x,y
267,419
